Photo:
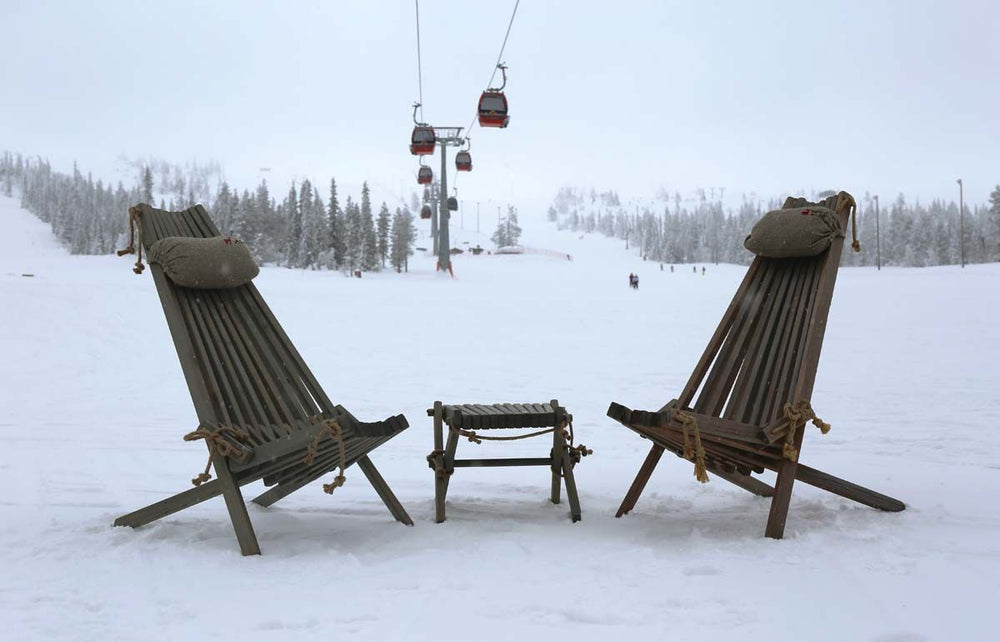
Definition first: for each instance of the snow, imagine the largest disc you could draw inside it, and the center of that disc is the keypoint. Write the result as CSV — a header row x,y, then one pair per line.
x,y
94,406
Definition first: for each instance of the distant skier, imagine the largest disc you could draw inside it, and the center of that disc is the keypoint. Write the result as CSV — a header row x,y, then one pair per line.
x,y
703,270
671,269
631,280
694,269
635,282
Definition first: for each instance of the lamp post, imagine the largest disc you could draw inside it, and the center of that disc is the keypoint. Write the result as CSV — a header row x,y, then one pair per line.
x,y
961,221
878,240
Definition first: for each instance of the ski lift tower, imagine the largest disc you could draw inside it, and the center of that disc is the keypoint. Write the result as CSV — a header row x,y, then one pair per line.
x,y
446,136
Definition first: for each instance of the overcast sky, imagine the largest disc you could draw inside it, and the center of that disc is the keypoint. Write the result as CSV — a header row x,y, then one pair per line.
x,y
770,97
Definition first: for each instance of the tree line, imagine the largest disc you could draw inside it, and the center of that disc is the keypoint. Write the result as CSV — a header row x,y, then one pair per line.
x,y
299,231
909,233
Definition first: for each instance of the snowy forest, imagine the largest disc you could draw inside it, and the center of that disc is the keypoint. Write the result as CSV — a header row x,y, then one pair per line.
x,y
911,234
299,231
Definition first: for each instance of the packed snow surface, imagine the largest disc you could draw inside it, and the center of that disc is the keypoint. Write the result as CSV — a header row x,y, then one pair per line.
x,y
94,407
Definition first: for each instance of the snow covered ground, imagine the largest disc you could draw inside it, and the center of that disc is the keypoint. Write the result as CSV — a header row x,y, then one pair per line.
x,y
94,407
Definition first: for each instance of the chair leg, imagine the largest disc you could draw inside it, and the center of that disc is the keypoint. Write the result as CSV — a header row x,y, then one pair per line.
x,y
775,528
558,448
574,499
236,506
449,458
171,505
383,490
846,489
632,496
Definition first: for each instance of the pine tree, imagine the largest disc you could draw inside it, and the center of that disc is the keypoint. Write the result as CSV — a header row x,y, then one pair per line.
x,y
994,217
294,217
369,243
353,235
383,233
335,223
147,184
508,232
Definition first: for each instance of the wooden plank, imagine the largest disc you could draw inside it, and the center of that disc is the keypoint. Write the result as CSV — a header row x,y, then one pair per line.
x,y
715,343
501,462
719,380
844,488
759,350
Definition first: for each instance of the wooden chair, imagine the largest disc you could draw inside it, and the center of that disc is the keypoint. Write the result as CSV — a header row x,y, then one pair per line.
x,y
261,411
745,407
464,420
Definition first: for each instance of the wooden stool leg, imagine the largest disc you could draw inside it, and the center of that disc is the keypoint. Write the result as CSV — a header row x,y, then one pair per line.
x,y
558,447
440,488
574,499
632,496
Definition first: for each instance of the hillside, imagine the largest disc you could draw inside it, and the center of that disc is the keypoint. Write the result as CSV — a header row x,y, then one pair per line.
x,y
95,406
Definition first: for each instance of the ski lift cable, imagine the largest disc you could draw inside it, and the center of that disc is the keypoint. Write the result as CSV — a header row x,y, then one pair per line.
x,y
503,46
499,58
420,72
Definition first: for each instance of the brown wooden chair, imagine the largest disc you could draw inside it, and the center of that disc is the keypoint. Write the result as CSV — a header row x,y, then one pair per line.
x,y
746,405
260,410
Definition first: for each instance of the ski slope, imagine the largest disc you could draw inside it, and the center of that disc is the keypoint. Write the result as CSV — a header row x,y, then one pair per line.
x,y
94,407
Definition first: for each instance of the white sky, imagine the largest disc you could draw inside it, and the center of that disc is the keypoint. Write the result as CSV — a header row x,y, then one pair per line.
x,y
753,96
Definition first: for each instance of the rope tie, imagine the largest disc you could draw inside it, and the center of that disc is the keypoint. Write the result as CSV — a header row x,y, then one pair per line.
x,y
797,415
478,439
846,199
436,461
133,223
697,453
334,431
217,444
577,452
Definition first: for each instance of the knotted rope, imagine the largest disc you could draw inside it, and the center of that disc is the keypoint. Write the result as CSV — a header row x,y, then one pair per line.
x,y
478,439
697,453
577,452
133,223
797,415
334,431
845,199
436,461
217,444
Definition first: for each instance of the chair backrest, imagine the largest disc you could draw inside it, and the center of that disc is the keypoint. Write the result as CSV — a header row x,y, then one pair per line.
x,y
239,364
766,350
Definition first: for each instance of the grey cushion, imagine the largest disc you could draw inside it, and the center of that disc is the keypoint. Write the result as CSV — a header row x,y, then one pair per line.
x,y
799,231
212,263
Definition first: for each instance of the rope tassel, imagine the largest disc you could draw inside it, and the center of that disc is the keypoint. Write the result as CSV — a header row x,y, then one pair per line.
x,y
334,431
797,415
697,452
133,223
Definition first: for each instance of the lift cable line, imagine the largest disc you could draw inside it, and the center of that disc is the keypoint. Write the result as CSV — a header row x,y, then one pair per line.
x,y
498,63
420,71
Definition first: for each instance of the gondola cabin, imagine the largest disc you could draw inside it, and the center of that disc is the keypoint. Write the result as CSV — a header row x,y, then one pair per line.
x,y
424,175
493,109
422,140
463,161
452,204
425,212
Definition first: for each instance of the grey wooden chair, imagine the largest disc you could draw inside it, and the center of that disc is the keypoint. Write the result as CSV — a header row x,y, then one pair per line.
x,y
746,405
260,410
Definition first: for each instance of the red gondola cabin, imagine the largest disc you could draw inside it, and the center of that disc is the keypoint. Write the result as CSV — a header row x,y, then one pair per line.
x,y
463,161
493,109
422,141
425,212
424,175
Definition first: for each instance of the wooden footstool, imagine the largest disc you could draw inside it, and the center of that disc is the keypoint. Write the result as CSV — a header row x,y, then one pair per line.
x,y
468,420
